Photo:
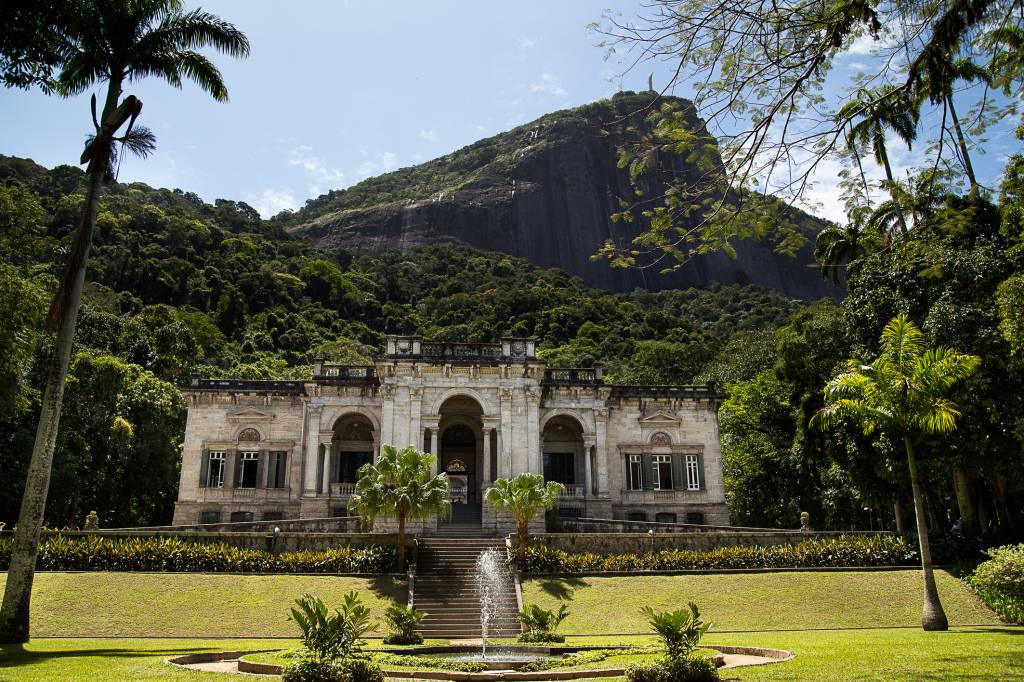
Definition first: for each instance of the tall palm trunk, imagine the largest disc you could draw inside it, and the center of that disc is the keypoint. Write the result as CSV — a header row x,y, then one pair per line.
x,y
897,511
961,140
401,540
892,193
14,614
932,617
522,533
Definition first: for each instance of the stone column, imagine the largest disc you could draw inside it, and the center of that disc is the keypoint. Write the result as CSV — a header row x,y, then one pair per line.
x,y
505,452
601,442
533,429
588,486
415,414
487,455
433,449
311,452
328,456
387,421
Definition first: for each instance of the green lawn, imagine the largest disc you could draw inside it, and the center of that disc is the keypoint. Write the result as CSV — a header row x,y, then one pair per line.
x,y
187,605
756,601
995,653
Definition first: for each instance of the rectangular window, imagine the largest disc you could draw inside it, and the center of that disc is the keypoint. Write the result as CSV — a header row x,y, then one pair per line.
x,y
339,512
276,469
692,473
561,467
215,473
695,518
662,472
635,472
241,516
273,515
665,517
248,465
210,515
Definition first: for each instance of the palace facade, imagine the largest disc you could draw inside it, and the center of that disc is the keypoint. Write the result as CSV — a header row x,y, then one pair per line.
x,y
266,450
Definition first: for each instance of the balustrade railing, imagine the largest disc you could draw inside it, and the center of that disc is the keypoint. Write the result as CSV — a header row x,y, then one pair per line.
x,y
341,489
572,376
346,374
460,351
243,493
574,491
247,385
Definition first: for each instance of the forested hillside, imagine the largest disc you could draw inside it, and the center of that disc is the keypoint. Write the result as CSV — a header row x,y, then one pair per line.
x,y
178,286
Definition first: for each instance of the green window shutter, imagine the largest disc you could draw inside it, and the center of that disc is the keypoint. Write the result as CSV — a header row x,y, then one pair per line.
x,y
261,469
678,472
700,469
650,475
238,469
282,470
204,468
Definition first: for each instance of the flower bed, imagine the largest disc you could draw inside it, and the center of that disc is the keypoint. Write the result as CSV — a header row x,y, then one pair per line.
x,y
94,553
843,551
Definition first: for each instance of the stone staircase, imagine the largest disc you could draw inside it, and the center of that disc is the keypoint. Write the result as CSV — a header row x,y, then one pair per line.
x,y
446,589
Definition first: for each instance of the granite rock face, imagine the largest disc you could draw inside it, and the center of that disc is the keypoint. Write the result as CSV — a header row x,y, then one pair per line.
x,y
544,191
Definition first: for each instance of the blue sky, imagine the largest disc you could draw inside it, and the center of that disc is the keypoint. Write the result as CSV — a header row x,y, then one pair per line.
x,y
338,91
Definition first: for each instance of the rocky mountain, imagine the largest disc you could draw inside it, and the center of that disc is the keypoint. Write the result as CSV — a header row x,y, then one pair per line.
x,y
543,191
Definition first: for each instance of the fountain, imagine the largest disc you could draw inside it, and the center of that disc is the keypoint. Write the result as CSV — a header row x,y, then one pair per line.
x,y
488,585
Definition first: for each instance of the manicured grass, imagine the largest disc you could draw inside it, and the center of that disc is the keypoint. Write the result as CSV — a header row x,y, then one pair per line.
x,y
756,601
188,604
995,653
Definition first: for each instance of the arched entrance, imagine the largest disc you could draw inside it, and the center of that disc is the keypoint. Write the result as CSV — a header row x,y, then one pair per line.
x,y
564,452
461,454
351,448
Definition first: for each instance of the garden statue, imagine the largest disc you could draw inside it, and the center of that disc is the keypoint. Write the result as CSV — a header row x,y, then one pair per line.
x,y
805,522
92,521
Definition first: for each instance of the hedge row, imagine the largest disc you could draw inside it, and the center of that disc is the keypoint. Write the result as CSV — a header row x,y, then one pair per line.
x,y
1000,582
843,551
95,553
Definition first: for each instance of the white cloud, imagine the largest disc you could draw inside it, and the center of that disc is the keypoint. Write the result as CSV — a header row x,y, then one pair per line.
x,y
322,177
428,135
856,66
549,83
376,165
270,202
864,44
526,43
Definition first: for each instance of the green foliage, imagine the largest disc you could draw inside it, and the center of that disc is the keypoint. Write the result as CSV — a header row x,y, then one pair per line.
x,y
541,623
524,497
1000,582
1010,299
695,669
97,553
680,630
350,670
403,621
328,637
842,551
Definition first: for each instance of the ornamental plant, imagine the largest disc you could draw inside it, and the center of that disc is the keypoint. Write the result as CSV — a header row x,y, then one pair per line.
x,y
524,497
542,623
403,621
680,632
333,643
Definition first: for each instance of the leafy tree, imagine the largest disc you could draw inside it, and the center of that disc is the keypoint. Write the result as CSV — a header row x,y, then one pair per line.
x,y
524,496
400,485
115,42
902,392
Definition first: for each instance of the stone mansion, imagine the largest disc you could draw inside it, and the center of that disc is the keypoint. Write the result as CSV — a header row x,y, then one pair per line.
x,y
267,450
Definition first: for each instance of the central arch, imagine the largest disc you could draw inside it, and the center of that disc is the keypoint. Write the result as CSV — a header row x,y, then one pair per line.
x,y
460,425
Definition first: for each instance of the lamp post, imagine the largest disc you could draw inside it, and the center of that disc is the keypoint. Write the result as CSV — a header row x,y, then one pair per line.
x,y
871,522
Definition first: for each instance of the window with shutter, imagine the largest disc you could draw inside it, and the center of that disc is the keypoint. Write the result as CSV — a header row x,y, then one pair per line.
x,y
204,467
693,473
649,472
634,472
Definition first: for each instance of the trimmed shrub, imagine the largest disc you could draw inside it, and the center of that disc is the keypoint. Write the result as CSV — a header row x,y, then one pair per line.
x,y
1000,582
843,551
361,670
451,664
403,622
541,637
97,553
309,670
693,669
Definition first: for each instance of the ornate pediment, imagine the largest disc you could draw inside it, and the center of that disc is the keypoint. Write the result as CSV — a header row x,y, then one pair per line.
x,y
250,414
659,419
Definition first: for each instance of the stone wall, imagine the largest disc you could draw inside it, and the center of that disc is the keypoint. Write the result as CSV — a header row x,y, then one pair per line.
x,y
332,524
635,543
605,525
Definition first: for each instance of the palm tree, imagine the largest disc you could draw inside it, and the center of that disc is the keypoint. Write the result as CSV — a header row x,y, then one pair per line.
x,y
116,42
524,496
880,109
837,246
942,91
901,392
400,486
